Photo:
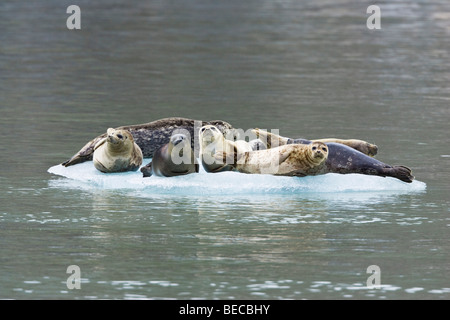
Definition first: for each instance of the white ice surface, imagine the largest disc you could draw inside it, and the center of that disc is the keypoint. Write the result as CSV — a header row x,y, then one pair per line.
x,y
85,175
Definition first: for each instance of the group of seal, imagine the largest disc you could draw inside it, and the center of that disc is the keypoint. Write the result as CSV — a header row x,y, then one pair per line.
x,y
342,156
151,136
173,145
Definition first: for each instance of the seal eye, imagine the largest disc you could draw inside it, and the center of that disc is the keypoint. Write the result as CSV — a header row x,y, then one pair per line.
x,y
203,129
324,149
120,136
314,148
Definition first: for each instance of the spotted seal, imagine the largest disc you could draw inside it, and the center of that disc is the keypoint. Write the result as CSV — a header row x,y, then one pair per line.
x,y
289,160
117,152
346,158
175,158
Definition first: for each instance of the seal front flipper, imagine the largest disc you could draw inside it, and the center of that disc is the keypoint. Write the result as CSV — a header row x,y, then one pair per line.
x,y
98,144
147,170
226,161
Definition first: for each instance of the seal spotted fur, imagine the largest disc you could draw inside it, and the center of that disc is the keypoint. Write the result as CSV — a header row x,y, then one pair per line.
x,y
346,156
288,160
117,152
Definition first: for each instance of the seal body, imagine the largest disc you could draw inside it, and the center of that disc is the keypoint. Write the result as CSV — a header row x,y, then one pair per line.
x,y
288,160
117,152
152,136
273,140
173,159
343,159
212,140
346,156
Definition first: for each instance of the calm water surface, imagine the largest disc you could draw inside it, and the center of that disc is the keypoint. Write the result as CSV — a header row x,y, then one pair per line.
x,y
308,68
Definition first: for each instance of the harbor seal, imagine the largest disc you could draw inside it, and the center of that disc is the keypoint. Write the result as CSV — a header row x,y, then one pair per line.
x,y
345,160
117,152
343,157
151,136
277,140
212,140
176,158
289,160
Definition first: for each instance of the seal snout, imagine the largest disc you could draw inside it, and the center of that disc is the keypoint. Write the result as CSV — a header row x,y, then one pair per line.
x,y
209,132
319,151
113,136
177,139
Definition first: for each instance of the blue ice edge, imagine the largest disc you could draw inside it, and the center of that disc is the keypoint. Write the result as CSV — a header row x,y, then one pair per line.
x,y
85,176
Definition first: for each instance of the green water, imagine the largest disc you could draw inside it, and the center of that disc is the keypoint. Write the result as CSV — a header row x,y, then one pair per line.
x,y
308,68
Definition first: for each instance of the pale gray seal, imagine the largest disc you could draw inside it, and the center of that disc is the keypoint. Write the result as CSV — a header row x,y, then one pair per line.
x,y
289,160
212,140
117,152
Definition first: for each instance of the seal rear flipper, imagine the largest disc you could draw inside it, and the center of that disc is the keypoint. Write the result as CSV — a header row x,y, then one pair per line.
x,y
85,154
271,140
402,173
299,174
360,145
147,170
78,158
